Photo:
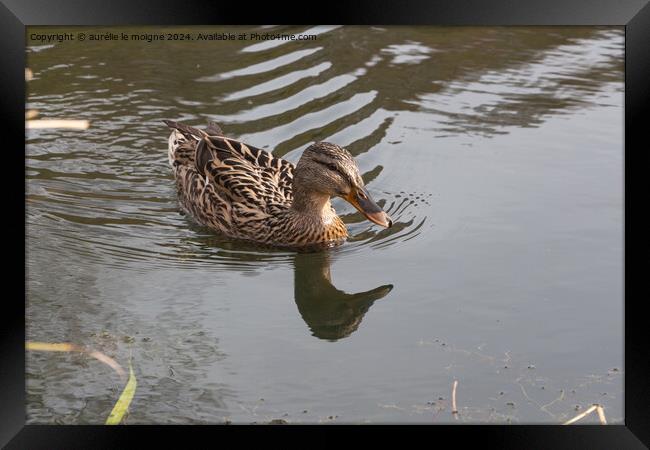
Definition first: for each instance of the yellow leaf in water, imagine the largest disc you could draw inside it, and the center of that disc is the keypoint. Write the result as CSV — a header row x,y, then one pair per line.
x,y
124,401
48,347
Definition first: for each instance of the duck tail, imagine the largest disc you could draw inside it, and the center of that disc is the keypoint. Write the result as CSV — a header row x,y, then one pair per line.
x,y
213,129
187,131
180,152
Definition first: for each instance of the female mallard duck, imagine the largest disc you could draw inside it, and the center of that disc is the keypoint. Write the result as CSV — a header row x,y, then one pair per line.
x,y
247,193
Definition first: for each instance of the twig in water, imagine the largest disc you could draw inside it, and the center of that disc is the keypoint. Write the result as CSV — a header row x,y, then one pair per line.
x,y
454,410
52,123
68,347
596,407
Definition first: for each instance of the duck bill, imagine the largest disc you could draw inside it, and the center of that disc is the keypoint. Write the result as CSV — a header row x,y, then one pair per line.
x,y
360,199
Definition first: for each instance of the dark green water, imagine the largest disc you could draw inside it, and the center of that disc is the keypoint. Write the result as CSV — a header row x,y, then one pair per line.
x,y
498,152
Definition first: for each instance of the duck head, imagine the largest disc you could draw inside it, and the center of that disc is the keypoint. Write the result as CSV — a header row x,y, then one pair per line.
x,y
326,170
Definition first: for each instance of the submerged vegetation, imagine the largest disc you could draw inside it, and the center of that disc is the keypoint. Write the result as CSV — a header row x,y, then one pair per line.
x,y
121,407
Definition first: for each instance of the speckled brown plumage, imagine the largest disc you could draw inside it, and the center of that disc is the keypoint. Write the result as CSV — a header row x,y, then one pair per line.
x,y
247,193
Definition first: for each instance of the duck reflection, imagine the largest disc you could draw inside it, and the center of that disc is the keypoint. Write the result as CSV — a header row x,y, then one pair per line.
x,y
329,313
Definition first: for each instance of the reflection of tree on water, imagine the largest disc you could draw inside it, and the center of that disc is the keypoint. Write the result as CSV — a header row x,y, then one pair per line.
x,y
329,312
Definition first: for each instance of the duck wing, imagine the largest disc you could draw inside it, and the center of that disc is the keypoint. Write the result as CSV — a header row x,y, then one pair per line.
x,y
249,174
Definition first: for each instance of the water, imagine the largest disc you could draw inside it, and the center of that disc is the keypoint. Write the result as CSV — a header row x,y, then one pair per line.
x,y
498,152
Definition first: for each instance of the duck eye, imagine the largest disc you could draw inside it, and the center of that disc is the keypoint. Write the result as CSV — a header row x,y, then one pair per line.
x,y
332,167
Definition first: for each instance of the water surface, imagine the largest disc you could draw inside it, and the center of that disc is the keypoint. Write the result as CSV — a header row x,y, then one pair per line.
x,y
498,152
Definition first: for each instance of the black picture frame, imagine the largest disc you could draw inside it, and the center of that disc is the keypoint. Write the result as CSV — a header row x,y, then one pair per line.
x,y
15,15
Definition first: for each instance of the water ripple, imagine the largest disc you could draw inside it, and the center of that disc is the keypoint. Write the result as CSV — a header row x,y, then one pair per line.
x,y
279,82
108,194
265,66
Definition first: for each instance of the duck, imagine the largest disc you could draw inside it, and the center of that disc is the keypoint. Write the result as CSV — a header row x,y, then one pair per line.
x,y
244,192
